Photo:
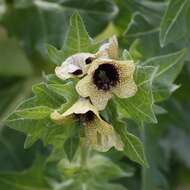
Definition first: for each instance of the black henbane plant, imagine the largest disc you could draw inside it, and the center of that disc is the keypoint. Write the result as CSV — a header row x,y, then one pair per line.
x,y
83,106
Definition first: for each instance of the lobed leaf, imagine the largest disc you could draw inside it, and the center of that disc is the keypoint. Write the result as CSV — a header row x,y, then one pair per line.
x,y
140,106
133,147
169,67
33,116
173,26
77,39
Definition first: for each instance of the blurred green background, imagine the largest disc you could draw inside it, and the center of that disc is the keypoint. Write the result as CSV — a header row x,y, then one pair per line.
x,y
26,26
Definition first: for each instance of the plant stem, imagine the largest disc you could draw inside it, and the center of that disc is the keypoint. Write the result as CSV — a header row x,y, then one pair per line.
x,y
143,170
84,156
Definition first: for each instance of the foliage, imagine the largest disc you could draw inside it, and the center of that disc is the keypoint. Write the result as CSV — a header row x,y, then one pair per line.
x,y
35,36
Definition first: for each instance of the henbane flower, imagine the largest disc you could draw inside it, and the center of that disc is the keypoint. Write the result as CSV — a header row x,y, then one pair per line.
x,y
77,65
99,134
105,78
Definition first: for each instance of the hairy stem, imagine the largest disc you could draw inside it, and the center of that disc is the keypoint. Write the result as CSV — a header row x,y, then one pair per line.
x,y
143,170
84,156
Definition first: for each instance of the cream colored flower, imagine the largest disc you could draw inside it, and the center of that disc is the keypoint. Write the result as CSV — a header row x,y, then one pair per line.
x,y
75,65
105,78
99,134
109,50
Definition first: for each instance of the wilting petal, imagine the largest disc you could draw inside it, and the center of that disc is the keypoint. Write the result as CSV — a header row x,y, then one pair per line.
x,y
74,66
109,50
113,49
101,136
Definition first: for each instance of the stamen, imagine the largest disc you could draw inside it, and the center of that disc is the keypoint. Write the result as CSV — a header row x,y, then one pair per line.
x,y
106,76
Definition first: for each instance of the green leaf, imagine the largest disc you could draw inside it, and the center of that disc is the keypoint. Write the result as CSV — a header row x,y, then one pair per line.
x,y
169,67
72,143
67,91
133,147
103,166
154,177
77,39
52,22
54,54
32,178
173,25
126,55
139,26
92,185
143,37
140,106
33,116
13,59
13,156
96,13
123,17
38,112
87,175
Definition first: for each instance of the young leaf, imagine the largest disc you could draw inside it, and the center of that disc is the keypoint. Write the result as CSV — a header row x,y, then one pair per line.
x,y
126,55
140,106
173,25
54,54
77,39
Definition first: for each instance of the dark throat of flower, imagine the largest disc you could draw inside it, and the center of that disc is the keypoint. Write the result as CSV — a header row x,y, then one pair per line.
x,y
106,76
85,118
77,72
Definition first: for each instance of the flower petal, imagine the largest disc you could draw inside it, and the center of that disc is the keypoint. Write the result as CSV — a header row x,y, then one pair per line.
x,y
109,49
83,86
101,136
86,88
113,48
72,64
99,98
59,118
80,107
62,73
126,87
